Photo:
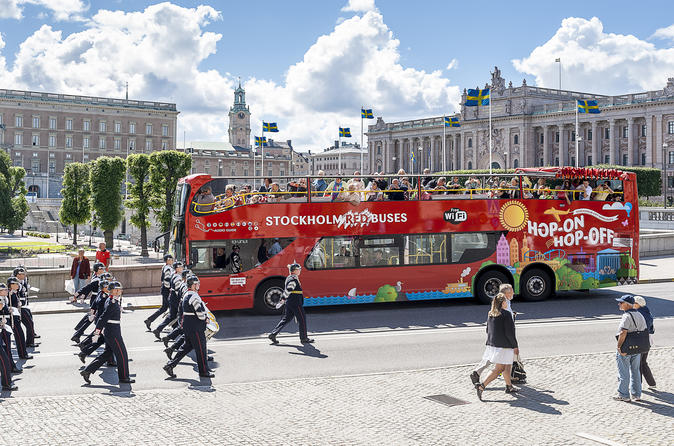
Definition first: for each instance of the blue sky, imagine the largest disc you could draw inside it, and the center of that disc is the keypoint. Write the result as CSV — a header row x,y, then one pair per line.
x,y
261,40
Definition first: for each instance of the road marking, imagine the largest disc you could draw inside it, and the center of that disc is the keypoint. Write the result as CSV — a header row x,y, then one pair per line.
x,y
598,439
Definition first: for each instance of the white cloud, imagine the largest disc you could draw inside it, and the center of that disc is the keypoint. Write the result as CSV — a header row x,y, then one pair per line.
x,y
453,64
10,9
598,62
664,33
359,6
62,9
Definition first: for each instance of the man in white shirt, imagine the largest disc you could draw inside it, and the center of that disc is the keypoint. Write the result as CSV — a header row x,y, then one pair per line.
x,y
587,190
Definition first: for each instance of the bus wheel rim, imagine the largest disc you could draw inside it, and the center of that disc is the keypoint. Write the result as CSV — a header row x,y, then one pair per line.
x,y
272,296
536,286
491,287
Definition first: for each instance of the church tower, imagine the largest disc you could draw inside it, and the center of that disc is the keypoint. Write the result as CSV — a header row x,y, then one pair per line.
x,y
239,119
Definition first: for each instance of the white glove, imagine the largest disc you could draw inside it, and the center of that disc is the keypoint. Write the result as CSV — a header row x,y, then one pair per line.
x,y
94,338
91,317
280,303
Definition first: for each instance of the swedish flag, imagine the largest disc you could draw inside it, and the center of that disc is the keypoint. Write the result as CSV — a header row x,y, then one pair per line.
x,y
269,127
412,157
366,113
260,141
452,122
588,107
344,132
477,97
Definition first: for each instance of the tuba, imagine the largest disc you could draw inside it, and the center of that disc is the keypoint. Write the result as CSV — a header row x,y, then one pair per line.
x,y
212,326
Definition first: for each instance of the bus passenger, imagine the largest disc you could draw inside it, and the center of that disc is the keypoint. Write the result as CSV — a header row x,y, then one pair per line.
x,y
539,188
351,194
334,188
454,186
234,260
274,195
602,192
206,200
472,184
372,191
587,190
266,186
358,182
379,258
319,184
440,187
275,248
396,190
562,193
503,191
262,255
401,172
514,188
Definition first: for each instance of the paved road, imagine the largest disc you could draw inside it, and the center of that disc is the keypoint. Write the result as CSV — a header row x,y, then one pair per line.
x,y
349,340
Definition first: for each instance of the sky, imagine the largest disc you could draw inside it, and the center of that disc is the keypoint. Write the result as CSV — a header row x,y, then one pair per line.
x,y
310,65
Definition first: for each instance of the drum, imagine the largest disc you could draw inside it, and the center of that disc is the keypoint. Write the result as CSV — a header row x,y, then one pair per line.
x,y
212,326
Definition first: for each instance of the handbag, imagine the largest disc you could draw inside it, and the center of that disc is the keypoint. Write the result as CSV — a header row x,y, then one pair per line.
x,y
636,342
517,373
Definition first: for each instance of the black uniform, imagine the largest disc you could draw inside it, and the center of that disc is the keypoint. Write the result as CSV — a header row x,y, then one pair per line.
x,y
87,346
174,302
109,322
166,273
235,262
26,314
294,307
194,326
92,287
177,333
5,366
19,336
6,336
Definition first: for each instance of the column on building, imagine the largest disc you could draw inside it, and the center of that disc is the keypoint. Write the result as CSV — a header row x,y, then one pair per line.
x,y
632,157
658,140
595,144
476,145
506,150
649,140
563,146
431,146
612,142
546,144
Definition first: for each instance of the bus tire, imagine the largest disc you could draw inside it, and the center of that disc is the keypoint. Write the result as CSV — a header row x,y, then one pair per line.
x,y
267,295
487,285
535,285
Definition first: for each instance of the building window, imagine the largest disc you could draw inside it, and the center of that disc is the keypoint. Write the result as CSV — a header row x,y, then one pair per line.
x,y
516,163
573,160
557,161
132,144
670,127
643,130
624,160
607,159
101,143
102,126
589,135
118,144
148,144
556,136
164,130
589,160
69,124
607,133
52,166
470,142
36,122
18,139
148,129
85,142
86,125
542,138
470,165
516,139
35,166
85,158
69,142
626,131
18,121
69,156
164,145
132,127
671,158
540,162
118,127
573,135
36,140
52,140
643,159
52,123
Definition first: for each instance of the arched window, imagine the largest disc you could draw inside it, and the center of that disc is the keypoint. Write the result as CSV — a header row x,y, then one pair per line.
x,y
470,142
516,139
470,165
516,163
495,165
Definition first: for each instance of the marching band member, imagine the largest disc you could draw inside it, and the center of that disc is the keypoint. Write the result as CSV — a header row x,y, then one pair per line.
x,y
174,282
15,306
5,361
26,314
6,327
87,346
109,324
91,287
294,305
177,334
194,326
166,273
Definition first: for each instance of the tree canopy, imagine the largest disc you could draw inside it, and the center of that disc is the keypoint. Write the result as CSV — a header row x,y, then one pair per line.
x,y
13,204
75,206
106,176
167,167
140,195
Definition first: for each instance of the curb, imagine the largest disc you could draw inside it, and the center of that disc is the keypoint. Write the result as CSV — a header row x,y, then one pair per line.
x,y
645,281
84,310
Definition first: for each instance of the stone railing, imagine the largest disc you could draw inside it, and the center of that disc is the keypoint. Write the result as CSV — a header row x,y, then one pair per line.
x,y
656,218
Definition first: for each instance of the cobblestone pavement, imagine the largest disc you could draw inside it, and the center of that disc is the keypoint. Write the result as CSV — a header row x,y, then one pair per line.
x,y
568,395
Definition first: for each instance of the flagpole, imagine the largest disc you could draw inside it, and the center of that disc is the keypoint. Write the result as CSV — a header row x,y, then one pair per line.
x,y
262,150
490,143
577,133
361,140
444,150
339,153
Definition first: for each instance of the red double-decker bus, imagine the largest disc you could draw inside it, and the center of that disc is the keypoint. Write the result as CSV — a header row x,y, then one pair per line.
x,y
408,238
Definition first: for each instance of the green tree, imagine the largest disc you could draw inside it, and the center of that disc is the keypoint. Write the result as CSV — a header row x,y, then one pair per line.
x,y
106,176
140,195
13,204
76,205
167,167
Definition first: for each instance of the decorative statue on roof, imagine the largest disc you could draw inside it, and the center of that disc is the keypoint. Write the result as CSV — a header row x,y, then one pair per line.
x,y
497,82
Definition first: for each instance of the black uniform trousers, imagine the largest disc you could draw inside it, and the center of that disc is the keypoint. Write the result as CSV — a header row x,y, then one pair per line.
x,y
164,305
90,347
19,338
293,309
114,346
82,325
5,368
7,346
172,315
27,320
195,339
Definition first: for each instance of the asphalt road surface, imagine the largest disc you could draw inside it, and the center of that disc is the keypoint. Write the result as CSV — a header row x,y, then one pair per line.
x,y
349,340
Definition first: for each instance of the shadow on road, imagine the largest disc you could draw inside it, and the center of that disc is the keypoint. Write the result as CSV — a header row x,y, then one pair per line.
x,y
664,404
537,400
306,350
432,314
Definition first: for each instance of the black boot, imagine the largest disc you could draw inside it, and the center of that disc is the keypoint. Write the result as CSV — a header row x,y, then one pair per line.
x,y
86,375
169,370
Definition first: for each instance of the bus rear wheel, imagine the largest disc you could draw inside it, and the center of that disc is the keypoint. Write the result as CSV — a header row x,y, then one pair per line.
x,y
487,285
535,285
267,296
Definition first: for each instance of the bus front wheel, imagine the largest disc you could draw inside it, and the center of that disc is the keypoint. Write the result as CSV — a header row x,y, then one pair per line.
x,y
487,285
535,285
267,297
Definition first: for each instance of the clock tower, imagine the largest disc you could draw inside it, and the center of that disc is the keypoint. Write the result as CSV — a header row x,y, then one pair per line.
x,y
239,120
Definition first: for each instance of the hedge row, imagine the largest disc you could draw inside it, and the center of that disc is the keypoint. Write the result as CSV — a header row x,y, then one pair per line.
x,y
38,234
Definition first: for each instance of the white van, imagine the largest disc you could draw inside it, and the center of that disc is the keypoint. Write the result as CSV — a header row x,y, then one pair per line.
x,y
31,197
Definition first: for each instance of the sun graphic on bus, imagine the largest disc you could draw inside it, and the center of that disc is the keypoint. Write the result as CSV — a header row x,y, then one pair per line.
x,y
513,216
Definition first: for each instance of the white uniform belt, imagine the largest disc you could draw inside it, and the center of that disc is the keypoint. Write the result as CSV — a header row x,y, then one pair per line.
x,y
114,322
15,311
189,314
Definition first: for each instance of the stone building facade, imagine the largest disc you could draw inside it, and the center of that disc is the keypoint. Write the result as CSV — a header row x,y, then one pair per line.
x,y
43,132
531,127
349,154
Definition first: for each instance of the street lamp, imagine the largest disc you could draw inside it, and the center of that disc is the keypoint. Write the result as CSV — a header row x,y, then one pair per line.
x,y
505,157
421,159
580,140
394,164
664,169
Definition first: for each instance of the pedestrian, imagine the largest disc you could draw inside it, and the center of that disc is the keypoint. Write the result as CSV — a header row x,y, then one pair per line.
x,y
79,270
166,273
501,344
640,306
103,255
629,375
275,248
176,279
110,322
5,362
92,289
194,327
26,313
294,305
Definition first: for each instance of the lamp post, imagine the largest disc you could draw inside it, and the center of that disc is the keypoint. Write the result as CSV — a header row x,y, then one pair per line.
x,y
505,158
664,169
394,164
579,139
421,159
